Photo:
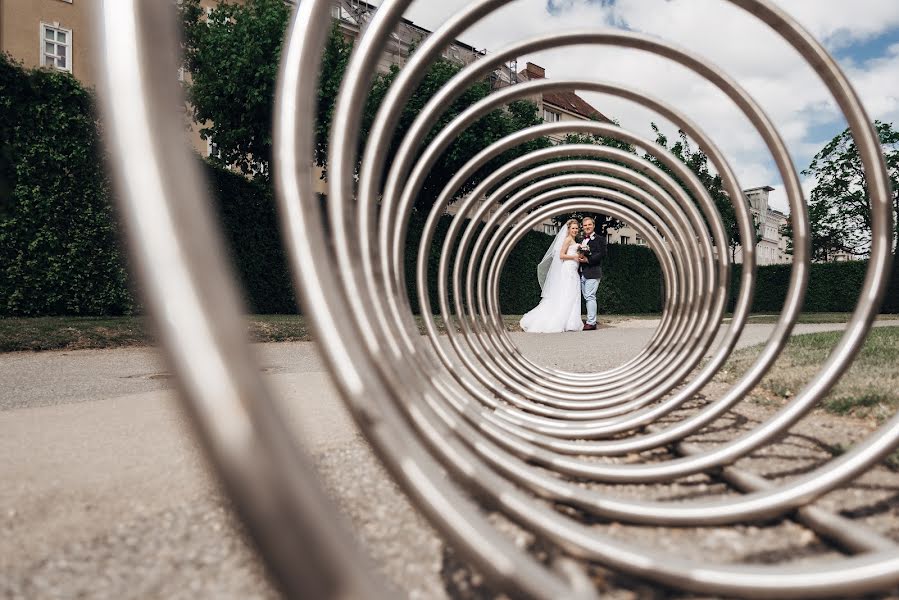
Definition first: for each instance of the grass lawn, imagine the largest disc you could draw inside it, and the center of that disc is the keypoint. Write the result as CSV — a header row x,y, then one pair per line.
x,y
807,317
72,333
869,389
80,333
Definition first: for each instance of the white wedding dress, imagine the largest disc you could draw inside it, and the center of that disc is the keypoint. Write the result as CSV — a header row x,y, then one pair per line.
x,y
560,306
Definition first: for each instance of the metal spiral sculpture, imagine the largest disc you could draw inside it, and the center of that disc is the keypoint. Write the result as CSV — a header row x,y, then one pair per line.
x,y
475,418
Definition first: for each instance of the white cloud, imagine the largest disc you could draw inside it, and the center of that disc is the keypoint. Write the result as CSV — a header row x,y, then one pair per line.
x,y
788,90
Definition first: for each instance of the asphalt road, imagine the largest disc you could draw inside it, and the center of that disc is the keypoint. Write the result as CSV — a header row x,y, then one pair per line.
x,y
106,495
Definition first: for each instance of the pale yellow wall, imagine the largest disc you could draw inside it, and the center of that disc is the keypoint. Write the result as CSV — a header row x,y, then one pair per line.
x,y
20,36
20,32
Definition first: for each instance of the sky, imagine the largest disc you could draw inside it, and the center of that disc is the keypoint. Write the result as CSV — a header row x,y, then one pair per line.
x,y
862,35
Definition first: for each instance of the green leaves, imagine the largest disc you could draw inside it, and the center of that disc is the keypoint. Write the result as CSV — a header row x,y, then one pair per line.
x,y
698,162
59,252
232,54
839,204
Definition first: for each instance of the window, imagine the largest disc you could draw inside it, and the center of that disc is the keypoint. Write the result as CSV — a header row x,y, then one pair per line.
x,y
56,47
550,116
625,239
640,241
212,149
549,229
609,238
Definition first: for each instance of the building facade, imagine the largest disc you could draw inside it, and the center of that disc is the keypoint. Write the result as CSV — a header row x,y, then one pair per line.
x,y
353,15
64,35
58,34
561,106
771,249
552,107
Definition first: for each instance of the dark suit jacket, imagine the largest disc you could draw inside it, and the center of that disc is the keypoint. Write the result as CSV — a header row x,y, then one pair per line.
x,y
592,269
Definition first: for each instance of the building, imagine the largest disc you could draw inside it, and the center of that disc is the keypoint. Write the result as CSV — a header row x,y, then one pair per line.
x,y
63,34
553,107
771,249
353,15
60,34
559,106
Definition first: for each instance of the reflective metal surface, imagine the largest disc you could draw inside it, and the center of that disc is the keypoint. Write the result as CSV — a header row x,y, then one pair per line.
x,y
467,416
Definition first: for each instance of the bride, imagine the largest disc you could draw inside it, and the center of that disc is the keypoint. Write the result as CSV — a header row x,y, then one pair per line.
x,y
560,304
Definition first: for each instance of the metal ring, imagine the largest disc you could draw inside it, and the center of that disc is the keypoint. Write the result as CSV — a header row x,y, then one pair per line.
x,y
428,408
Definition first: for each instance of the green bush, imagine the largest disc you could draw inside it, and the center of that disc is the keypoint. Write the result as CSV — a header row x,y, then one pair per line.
x,y
631,279
833,287
518,287
518,281
631,283
891,301
248,216
59,252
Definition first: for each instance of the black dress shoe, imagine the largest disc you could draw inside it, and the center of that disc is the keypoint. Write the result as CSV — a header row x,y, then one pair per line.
x,y
589,327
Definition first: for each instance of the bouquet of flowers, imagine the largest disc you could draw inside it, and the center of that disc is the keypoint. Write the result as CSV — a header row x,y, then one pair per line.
x,y
583,249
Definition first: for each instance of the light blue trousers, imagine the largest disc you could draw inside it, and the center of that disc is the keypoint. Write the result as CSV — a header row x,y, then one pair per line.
x,y
588,289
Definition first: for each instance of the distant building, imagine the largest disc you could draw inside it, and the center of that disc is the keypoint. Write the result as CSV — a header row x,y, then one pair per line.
x,y
553,107
64,35
58,34
353,15
771,249
558,106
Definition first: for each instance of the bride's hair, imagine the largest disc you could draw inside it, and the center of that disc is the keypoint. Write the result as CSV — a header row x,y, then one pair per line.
x,y
570,221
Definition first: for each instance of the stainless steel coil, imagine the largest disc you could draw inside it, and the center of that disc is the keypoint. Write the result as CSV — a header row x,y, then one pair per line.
x,y
468,416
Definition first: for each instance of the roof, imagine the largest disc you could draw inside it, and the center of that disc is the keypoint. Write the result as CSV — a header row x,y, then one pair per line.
x,y
573,103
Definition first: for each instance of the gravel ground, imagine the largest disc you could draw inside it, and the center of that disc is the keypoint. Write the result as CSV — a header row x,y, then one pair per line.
x,y
106,495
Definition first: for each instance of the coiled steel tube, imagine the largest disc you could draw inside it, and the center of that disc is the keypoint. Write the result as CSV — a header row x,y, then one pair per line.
x,y
471,404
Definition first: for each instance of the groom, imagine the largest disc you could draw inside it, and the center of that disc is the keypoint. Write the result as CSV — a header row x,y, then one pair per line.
x,y
591,267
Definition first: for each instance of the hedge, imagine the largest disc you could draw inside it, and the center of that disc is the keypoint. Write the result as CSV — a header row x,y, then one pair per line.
x,y
59,252
249,220
518,282
632,281
833,287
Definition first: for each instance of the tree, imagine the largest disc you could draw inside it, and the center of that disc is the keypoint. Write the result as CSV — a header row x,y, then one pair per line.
x,y
490,128
697,161
232,54
826,241
839,204
603,222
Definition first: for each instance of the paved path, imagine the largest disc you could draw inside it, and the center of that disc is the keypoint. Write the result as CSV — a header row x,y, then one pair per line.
x,y
105,494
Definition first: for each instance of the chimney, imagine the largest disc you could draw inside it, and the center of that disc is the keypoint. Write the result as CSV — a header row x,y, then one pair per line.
x,y
535,72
